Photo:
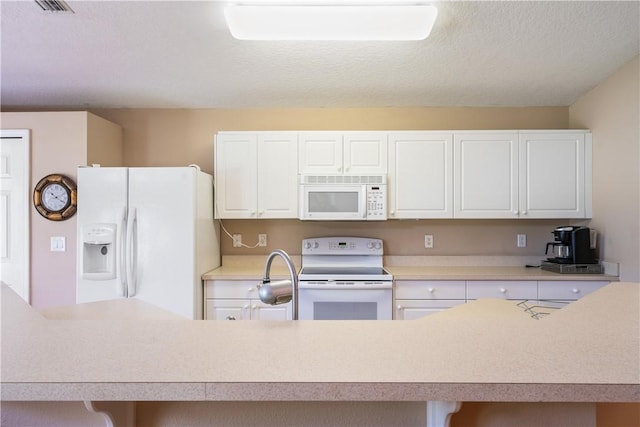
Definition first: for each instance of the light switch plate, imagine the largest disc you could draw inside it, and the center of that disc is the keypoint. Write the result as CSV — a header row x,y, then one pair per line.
x,y
58,244
522,241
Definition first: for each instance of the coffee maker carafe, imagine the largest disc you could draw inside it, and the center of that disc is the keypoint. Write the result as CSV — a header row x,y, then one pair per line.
x,y
572,245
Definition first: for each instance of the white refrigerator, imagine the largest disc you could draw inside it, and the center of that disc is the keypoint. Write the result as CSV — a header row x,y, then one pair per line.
x,y
146,233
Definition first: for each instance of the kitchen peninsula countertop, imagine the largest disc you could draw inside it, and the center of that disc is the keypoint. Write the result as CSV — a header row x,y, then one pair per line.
x,y
487,350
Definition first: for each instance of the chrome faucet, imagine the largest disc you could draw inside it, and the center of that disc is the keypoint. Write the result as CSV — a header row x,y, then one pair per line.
x,y
280,291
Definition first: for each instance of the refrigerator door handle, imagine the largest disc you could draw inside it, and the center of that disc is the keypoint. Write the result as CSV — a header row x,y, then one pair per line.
x,y
122,259
131,253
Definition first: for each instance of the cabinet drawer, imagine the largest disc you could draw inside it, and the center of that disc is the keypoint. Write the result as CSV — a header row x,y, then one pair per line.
x,y
430,290
567,290
519,290
230,289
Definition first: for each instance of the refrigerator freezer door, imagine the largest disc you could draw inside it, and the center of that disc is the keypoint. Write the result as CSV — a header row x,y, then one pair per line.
x,y
164,200
102,199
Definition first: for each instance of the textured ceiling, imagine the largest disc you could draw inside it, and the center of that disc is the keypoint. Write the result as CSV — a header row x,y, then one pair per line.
x,y
179,54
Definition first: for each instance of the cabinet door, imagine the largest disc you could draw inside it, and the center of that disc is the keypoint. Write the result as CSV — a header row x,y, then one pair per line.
x,y
236,175
227,309
262,311
415,309
486,175
277,175
420,176
320,153
552,175
365,153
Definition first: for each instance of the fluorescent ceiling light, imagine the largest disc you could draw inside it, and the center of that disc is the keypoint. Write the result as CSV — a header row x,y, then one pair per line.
x,y
330,22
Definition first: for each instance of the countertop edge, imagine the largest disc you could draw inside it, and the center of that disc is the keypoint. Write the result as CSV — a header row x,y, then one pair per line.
x,y
323,391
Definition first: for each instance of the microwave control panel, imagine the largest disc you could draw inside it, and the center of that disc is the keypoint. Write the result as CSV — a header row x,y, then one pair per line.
x,y
376,202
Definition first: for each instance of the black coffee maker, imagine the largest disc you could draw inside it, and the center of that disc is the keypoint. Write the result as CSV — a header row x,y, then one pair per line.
x,y
572,245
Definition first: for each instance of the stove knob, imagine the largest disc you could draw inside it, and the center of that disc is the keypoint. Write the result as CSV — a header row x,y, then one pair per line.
x,y
307,245
316,245
378,245
370,245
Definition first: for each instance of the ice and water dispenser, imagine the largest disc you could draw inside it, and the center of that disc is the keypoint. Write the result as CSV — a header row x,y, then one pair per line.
x,y
99,251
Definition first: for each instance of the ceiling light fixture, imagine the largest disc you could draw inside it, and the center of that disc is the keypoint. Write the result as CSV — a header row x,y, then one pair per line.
x,y
375,21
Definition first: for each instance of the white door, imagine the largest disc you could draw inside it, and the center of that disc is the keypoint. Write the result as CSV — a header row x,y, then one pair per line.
x,y
420,176
486,175
103,200
277,175
320,153
14,210
365,153
552,175
236,176
162,206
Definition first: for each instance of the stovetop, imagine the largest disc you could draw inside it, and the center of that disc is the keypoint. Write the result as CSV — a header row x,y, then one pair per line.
x,y
343,259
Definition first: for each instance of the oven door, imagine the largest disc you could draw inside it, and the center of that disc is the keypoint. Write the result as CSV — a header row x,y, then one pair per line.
x,y
344,302
333,202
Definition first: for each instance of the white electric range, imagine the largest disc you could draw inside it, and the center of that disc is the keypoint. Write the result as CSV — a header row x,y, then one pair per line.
x,y
342,278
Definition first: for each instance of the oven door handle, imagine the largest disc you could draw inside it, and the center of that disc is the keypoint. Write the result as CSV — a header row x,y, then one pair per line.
x,y
339,285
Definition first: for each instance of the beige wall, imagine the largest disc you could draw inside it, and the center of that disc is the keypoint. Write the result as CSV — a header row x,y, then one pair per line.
x,y
612,112
181,137
59,142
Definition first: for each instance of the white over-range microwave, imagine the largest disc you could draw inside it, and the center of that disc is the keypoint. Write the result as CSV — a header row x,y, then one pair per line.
x,y
343,197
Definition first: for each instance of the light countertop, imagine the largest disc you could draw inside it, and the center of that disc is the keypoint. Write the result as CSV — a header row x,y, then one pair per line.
x,y
487,350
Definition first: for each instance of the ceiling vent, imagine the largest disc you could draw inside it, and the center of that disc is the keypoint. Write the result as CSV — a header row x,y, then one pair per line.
x,y
54,6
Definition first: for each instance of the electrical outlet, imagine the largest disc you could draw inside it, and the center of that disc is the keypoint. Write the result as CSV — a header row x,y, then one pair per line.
x,y
522,240
428,241
262,240
237,240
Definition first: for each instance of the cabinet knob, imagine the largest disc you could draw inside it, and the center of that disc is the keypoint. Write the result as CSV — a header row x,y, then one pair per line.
x,y
431,290
339,169
244,307
503,290
399,307
254,306
524,212
230,318
575,290
250,289
515,212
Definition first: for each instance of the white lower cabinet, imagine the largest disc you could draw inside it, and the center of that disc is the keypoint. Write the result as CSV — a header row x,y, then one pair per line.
x,y
504,289
567,290
238,300
419,298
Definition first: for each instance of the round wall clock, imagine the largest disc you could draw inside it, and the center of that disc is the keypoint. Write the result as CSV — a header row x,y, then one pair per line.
x,y
55,197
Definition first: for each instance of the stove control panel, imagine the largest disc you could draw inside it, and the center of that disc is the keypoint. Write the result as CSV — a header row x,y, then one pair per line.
x,y
342,246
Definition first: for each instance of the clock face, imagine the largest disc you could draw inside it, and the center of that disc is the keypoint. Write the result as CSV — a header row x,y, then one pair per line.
x,y
55,197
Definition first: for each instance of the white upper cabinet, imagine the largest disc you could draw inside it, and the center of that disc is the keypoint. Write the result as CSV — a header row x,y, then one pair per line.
x,y
332,153
486,175
555,175
532,174
420,175
256,175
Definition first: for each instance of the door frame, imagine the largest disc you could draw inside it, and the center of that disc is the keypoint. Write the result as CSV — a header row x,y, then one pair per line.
x,y
24,135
